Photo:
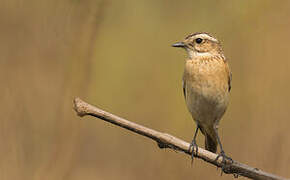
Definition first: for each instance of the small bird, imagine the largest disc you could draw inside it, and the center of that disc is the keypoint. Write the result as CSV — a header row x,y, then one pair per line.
x,y
206,87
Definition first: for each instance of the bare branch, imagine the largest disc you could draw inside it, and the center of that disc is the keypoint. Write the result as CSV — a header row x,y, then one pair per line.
x,y
168,141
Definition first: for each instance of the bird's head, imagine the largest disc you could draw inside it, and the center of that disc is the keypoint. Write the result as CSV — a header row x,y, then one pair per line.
x,y
200,44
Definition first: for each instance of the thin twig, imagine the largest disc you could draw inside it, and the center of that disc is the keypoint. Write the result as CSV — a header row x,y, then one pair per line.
x,y
168,141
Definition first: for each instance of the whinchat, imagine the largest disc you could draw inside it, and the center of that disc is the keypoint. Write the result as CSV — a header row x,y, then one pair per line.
x,y
206,86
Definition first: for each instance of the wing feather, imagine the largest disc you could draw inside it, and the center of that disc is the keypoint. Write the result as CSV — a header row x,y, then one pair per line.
x,y
230,81
183,88
184,85
229,76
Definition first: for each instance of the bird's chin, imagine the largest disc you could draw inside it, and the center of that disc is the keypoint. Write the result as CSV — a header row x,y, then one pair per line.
x,y
191,54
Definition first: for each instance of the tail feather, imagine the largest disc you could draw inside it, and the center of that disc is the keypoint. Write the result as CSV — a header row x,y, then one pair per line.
x,y
210,143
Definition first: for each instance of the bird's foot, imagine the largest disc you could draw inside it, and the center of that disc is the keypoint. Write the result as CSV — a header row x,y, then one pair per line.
x,y
194,151
226,160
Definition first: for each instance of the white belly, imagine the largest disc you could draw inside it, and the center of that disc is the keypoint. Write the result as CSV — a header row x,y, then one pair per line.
x,y
206,106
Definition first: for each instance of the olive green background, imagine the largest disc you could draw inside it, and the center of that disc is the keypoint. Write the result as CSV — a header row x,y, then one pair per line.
x,y
117,56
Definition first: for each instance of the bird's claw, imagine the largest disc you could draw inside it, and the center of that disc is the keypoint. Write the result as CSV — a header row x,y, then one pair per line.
x,y
194,151
226,160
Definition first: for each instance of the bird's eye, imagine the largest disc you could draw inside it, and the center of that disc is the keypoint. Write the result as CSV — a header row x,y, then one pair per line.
x,y
198,40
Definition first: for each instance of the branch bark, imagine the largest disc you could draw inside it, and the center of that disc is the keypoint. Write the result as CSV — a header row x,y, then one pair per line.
x,y
165,140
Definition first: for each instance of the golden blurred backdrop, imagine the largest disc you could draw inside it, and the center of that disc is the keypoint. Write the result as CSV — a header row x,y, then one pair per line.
x,y
117,56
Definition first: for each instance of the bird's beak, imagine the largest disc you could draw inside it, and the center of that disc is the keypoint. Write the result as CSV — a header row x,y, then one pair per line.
x,y
179,44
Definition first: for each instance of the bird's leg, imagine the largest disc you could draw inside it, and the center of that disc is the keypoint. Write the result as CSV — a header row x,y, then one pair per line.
x,y
222,153
193,144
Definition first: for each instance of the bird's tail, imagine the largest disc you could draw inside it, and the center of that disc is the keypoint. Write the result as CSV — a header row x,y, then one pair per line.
x,y
210,143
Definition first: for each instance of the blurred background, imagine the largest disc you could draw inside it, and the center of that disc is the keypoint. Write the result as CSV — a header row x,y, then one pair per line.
x,y
117,56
